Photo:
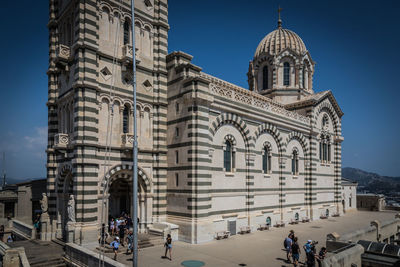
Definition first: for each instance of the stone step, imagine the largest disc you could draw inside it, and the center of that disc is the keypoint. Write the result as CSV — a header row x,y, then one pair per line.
x,y
47,263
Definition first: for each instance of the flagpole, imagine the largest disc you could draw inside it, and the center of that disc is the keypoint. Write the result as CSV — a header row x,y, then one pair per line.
x,y
135,146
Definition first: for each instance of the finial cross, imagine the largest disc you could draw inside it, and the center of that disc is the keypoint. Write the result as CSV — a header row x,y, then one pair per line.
x,y
279,12
279,17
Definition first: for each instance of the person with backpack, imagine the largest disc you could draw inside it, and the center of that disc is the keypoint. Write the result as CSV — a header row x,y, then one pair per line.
x,y
287,243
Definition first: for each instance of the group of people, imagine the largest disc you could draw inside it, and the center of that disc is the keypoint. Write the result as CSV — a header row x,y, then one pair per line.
x,y
121,229
293,251
119,226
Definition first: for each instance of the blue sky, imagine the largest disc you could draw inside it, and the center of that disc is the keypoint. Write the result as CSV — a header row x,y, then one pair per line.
x,y
354,44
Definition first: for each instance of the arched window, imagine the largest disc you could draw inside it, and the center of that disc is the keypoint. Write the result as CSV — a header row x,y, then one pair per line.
x,y
327,213
229,157
286,74
125,120
265,78
126,32
325,149
295,162
304,77
268,221
266,160
296,216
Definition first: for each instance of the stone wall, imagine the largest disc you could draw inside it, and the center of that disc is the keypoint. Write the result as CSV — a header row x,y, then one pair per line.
x,y
79,256
387,229
370,202
347,255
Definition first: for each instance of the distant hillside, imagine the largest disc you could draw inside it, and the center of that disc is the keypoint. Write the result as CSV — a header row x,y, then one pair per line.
x,y
372,181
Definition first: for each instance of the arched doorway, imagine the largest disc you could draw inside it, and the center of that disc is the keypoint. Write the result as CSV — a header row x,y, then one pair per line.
x,y
119,196
65,188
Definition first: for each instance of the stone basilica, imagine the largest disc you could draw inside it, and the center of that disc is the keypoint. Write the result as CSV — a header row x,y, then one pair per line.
x,y
213,156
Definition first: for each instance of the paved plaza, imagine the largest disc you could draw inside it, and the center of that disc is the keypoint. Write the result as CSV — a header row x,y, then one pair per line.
x,y
261,248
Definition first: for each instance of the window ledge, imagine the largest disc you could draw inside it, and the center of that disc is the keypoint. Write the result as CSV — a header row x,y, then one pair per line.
x,y
229,174
267,175
295,176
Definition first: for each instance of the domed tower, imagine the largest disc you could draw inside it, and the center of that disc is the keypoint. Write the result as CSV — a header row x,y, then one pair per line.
x,y
282,68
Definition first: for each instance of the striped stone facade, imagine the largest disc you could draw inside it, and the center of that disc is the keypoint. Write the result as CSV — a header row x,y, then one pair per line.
x,y
204,112
90,96
186,118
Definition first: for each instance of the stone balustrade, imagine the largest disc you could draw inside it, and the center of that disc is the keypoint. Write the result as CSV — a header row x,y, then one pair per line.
x,y
76,255
23,229
61,140
127,140
63,53
239,94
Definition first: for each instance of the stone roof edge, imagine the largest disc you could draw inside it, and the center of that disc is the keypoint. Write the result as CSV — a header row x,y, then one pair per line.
x,y
314,102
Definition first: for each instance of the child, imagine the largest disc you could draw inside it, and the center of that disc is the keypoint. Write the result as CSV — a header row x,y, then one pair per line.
x,y
115,246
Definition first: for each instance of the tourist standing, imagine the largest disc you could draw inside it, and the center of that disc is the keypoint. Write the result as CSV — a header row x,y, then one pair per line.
x,y
311,257
112,226
122,232
295,252
288,247
168,246
321,256
115,246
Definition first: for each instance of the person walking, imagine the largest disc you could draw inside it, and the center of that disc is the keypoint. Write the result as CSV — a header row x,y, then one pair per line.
x,y
122,232
115,245
168,246
295,252
130,242
288,247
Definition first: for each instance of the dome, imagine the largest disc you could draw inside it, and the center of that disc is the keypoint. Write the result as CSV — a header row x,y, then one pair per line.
x,y
278,40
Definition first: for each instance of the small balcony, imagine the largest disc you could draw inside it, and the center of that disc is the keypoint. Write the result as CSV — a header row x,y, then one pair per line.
x,y
127,54
63,53
63,56
127,140
61,141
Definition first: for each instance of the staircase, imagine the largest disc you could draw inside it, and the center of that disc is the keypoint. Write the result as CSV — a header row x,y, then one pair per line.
x,y
41,253
144,241
148,240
